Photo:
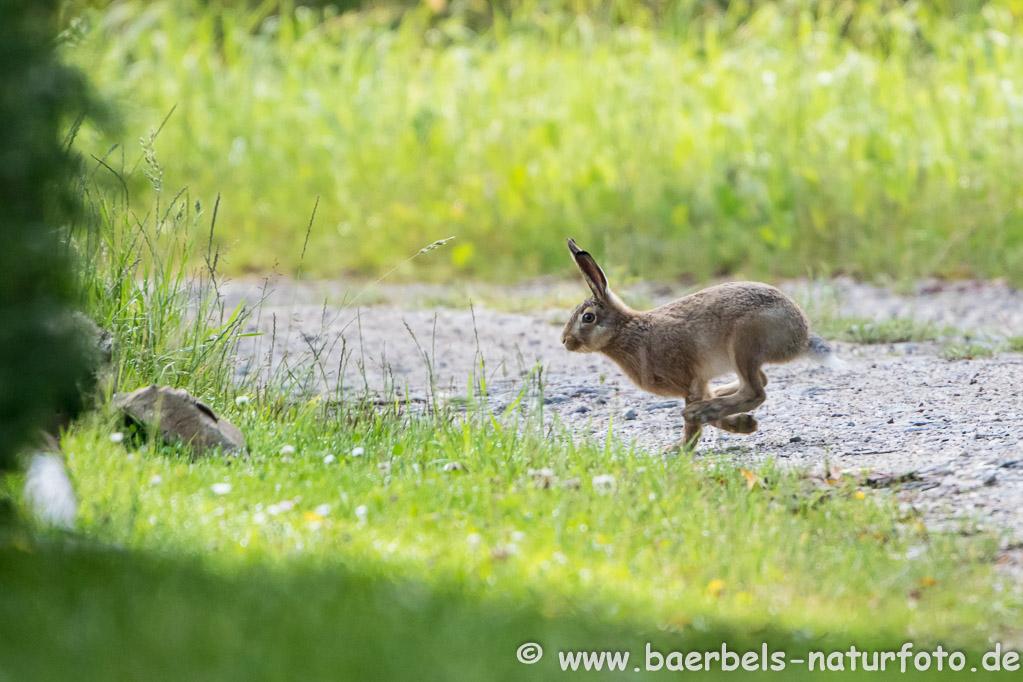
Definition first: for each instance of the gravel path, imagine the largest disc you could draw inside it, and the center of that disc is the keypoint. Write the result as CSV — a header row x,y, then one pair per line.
x,y
953,428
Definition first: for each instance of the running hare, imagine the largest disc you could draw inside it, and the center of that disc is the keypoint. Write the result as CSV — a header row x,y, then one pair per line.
x,y
677,348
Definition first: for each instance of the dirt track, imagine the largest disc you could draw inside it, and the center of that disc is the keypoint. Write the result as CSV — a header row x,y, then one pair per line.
x,y
957,426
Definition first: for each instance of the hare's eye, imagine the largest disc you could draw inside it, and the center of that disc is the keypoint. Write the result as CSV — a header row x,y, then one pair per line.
x,y
589,317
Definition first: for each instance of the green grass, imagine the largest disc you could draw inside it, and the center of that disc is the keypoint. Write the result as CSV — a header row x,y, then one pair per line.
x,y
769,140
164,618
651,548
1016,344
967,350
412,558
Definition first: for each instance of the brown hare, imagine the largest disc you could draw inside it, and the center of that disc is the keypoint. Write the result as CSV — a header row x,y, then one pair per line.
x,y
677,348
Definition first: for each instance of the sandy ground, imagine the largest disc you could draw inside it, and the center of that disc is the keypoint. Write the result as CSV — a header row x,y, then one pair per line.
x,y
954,429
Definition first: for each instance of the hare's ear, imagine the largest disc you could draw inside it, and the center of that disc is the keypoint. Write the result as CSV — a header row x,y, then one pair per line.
x,y
591,271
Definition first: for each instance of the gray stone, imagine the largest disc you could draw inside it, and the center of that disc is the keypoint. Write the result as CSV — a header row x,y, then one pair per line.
x,y
180,417
631,414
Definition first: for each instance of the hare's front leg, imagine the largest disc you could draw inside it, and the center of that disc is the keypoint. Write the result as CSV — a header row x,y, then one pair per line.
x,y
693,429
749,395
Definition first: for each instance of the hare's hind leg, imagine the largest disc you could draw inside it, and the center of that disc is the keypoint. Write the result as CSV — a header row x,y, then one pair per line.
x,y
727,389
749,395
734,386
737,423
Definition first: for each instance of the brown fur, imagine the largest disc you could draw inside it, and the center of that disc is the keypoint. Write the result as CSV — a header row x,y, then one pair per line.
x,y
677,348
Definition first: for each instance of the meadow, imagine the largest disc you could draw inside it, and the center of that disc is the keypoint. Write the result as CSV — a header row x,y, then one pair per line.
x,y
366,540
363,540
753,139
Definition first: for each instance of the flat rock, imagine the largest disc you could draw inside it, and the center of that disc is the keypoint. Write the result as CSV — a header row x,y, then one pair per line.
x,y
180,417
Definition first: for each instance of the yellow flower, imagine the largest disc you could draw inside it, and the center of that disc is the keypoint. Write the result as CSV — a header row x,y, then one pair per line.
x,y
860,495
715,587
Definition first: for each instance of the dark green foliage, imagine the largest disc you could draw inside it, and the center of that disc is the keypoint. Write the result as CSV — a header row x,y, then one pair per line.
x,y
41,359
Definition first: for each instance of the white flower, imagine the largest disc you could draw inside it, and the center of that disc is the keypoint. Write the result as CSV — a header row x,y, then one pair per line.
x,y
258,517
241,400
157,479
768,78
518,536
273,510
361,512
221,488
286,505
474,540
825,78
604,484
357,452
329,459
288,450
323,509
385,467
48,491
116,437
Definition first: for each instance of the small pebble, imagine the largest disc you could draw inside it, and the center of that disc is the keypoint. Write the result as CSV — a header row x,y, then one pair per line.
x,y
582,409
796,439
631,414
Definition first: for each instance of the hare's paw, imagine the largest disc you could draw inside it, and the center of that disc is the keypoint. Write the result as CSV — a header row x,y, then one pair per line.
x,y
673,450
677,449
704,411
739,423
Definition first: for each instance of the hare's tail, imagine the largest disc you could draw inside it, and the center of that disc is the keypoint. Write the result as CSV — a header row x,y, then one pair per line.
x,y
818,350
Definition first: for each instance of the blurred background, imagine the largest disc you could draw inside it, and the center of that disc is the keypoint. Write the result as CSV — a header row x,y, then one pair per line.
x,y
690,138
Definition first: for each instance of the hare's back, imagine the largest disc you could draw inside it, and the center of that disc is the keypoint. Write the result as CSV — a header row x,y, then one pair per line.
x,y
722,316
732,301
